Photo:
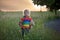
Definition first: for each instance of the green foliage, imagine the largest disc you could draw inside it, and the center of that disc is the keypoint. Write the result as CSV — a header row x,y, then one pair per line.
x,y
52,4
9,28
43,2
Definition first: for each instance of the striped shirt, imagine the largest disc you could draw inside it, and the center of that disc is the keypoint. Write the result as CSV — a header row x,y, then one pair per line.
x,y
26,21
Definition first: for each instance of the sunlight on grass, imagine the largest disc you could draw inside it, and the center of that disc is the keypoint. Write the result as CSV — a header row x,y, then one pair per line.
x,y
9,28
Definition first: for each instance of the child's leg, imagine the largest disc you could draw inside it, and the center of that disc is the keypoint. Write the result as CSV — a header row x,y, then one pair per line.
x,y
26,31
22,33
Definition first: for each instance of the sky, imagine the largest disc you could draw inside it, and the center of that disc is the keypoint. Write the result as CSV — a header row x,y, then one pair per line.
x,y
18,5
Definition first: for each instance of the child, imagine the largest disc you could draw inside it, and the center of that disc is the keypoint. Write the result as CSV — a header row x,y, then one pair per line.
x,y
26,22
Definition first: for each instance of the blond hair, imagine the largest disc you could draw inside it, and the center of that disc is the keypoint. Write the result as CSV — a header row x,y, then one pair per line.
x,y
26,10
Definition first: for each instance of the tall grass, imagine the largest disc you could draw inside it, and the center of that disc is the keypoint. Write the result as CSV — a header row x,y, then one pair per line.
x,y
9,28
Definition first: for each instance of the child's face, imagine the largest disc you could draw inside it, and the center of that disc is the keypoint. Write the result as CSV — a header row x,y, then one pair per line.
x,y
26,13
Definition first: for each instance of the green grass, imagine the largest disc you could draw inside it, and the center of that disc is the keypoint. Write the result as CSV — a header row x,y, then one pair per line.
x,y
9,28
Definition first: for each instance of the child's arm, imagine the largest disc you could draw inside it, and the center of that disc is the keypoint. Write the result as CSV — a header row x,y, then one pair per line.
x,y
20,23
32,23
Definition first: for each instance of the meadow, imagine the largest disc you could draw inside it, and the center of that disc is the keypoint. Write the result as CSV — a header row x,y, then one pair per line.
x,y
9,28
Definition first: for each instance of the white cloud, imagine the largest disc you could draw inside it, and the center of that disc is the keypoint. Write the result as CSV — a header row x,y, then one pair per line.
x,y
17,5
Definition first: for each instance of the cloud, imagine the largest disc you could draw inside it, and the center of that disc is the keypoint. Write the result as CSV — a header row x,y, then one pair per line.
x,y
16,4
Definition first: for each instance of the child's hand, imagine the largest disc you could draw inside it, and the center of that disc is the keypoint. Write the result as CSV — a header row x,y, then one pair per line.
x,y
30,27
